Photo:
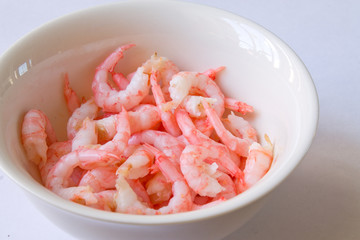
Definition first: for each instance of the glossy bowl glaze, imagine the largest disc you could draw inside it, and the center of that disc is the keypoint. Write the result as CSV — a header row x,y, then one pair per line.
x,y
260,69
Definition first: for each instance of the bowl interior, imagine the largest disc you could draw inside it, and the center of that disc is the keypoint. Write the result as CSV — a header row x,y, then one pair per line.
x,y
260,70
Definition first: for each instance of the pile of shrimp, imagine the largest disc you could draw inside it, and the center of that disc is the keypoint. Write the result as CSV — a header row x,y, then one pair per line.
x,y
153,142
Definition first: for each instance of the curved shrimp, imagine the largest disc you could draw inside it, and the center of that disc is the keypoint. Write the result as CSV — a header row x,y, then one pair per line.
x,y
240,127
137,165
128,202
37,133
200,175
100,179
236,144
195,137
184,83
105,200
54,153
167,117
86,136
258,162
89,109
168,144
112,100
142,117
238,106
211,73
72,100
84,158
120,141
158,189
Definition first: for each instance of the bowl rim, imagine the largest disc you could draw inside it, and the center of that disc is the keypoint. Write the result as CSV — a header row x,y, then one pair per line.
x,y
250,196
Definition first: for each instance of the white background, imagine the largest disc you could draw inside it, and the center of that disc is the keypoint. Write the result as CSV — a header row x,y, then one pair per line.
x,y
321,198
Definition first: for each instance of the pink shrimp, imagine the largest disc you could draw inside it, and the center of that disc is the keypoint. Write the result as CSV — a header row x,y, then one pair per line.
x,y
120,141
128,202
185,83
72,100
238,106
100,179
89,109
120,80
54,153
200,175
86,159
37,133
240,127
211,73
112,100
142,117
236,144
137,165
167,117
86,136
158,189
258,162
195,137
105,200
170,145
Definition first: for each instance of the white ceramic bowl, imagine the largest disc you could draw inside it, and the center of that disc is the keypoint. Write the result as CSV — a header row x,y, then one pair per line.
x,y
260,69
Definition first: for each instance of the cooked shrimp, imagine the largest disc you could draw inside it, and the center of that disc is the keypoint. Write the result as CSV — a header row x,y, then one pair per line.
x,y
168,144
100,179
86,136
158,189
128,202
238,106
112,100
86,159
54,153
72,100
240,127
89,109
142,117
236,144
120,80
120,141
37,133
105,200
258,163
167,117
211,73
200,175
195,137
185,83
137,165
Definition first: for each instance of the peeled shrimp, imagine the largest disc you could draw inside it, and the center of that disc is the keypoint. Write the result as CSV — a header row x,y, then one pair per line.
x,y
185,83
89,109
86,136
128,202
72,100
257,163
200,175
195,137
86,159
137,165
167,117
236,144
37,134
100,179
169,145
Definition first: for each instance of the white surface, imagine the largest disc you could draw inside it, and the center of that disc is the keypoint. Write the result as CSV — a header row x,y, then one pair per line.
x,y
326,204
